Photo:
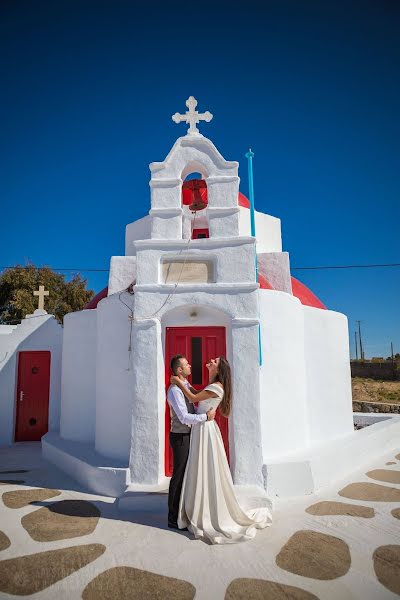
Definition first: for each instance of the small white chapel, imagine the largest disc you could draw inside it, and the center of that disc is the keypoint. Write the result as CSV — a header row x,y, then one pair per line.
x,y
204,275
188,284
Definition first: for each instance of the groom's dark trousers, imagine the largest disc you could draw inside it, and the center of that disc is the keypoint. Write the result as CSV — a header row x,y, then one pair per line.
x,y
180,443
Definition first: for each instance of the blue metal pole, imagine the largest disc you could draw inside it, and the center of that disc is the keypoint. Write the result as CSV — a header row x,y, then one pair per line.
x,y
249,155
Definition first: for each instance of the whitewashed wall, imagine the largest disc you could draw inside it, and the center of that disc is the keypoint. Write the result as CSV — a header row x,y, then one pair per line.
x,y
78,380
329,398
138,230
114,378
283,378
268,230
33,333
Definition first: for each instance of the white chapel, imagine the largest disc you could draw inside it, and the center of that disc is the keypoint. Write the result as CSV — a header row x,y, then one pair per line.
x,y
188,284
203,275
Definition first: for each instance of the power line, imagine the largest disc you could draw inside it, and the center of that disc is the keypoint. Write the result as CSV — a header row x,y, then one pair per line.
x,y
347,267
371,266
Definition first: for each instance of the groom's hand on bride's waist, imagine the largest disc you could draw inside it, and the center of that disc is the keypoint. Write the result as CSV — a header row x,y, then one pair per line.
x,y
211,414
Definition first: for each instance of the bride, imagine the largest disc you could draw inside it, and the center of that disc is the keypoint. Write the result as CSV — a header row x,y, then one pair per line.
x,y
208,505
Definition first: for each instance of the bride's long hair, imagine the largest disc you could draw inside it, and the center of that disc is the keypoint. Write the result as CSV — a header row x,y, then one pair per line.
x,y
224,376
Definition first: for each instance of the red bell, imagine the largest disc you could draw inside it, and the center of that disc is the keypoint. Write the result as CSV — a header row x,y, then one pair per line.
x,y
197,188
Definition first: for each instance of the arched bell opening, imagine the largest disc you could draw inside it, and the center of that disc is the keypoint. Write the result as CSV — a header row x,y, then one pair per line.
x,y
194,204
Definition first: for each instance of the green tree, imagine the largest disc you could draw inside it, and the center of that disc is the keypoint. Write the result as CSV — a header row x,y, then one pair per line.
x,y
18,284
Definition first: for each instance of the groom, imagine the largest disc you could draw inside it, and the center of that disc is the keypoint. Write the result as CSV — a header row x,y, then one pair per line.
x,y
183,416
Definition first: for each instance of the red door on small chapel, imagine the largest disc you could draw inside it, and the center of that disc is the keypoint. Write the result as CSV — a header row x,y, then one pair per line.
x,y
32,395
198,344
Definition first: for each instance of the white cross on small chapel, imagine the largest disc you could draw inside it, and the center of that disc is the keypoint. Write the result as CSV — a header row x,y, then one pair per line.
x,y
192,116
41,293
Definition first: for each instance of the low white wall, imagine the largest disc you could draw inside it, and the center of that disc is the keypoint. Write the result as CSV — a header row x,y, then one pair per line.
x,y
282,375
268,230
329,398
114,378
138,230
78,380
37,332
5,329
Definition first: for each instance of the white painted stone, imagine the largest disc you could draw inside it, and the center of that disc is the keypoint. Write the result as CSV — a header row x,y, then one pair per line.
x,y
108,477
115,377
283,378
5,329
327,362
268,230
192,116
122,273
138,230
318,466
275,267
78,378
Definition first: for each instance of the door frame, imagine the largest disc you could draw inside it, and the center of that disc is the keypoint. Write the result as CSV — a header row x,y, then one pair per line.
x,y
18,390
188,328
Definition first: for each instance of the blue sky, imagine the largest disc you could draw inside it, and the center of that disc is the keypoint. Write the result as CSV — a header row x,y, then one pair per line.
x,y
88,90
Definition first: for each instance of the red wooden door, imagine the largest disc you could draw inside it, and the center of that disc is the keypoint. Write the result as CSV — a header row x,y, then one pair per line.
x,y
32,395
198,344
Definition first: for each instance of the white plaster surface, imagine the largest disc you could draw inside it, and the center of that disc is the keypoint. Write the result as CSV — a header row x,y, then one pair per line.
x,y
327,363
284,416
315,467
36,332
5,329
115,377
234,259
122,273
268,230
138,230
80,461
78,379
275,267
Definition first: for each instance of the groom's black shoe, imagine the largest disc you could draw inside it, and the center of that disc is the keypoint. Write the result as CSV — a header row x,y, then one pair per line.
x,y
175,526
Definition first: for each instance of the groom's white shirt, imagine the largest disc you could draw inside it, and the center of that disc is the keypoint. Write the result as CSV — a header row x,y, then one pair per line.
x,y
176,399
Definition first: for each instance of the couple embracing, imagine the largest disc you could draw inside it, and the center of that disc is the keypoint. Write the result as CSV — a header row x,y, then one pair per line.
x,y
201,494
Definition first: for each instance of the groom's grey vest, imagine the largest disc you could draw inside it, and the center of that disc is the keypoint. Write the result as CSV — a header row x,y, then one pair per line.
x,y
176,425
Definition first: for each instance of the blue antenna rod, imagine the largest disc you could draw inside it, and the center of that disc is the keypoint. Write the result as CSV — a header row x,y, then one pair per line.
x,y
249,155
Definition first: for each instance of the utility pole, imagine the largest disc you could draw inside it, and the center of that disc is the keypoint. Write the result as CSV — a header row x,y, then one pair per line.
x,y
355,337
391,348
360,338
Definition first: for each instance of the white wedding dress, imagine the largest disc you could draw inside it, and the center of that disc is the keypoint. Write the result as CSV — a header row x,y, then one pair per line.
x,y
208,505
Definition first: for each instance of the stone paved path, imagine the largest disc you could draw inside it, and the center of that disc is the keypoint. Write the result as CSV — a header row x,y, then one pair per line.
x,y
57,541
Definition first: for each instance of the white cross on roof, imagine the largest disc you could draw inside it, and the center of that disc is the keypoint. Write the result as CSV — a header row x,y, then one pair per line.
x,y
192,116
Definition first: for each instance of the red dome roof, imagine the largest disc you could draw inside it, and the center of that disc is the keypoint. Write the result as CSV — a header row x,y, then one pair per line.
x,y
305,295
264,283
188,193
301,291
96,299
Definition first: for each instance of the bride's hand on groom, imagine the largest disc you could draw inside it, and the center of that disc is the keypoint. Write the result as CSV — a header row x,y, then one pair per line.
x,y
211,414
174,380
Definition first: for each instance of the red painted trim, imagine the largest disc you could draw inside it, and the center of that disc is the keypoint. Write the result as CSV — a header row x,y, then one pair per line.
x,y
94,301
197,232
